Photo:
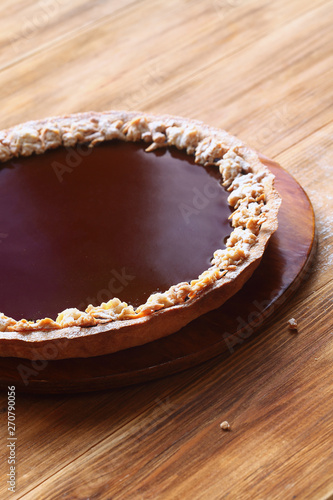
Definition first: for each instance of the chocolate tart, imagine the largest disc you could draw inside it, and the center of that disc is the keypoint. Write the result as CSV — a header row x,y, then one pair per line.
x,y
130,224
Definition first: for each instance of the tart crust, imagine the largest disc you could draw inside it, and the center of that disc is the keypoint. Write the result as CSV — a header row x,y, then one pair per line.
x,y
115,325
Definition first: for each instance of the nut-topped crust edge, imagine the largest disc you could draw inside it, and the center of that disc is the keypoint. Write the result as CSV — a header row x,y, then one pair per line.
x,y
254,219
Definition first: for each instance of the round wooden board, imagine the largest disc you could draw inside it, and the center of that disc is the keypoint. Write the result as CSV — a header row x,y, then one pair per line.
x,y
282,269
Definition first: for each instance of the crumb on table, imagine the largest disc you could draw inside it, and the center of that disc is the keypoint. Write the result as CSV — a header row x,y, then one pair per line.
x,y
292,323
225,426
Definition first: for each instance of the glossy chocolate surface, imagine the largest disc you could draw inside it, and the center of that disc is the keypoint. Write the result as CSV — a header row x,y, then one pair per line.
x,y
81,226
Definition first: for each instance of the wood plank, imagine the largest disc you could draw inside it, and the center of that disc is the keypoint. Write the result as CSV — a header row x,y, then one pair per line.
x,y
263,406
276,105
29,27
131,79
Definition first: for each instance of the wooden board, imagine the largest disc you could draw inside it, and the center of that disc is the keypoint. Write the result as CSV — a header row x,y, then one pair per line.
x,y
281,271
263,71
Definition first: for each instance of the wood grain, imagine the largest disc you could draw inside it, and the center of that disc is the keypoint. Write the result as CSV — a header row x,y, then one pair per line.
x,y
263,70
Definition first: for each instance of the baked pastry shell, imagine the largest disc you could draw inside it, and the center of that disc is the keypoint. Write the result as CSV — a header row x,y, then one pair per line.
x,y
77,340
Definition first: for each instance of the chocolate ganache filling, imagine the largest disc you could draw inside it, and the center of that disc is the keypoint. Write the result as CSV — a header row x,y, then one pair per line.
x,y
80,226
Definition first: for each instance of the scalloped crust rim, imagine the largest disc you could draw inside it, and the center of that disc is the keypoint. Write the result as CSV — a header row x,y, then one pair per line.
x,y
115,326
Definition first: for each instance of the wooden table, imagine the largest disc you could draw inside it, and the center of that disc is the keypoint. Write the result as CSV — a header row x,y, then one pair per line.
x,y
262,70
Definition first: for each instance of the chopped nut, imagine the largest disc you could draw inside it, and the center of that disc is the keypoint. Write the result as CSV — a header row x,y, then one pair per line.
x,y
225,426
292,323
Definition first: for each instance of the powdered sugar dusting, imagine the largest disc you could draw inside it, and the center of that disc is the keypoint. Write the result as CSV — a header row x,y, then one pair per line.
x,y
324,223
318,155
